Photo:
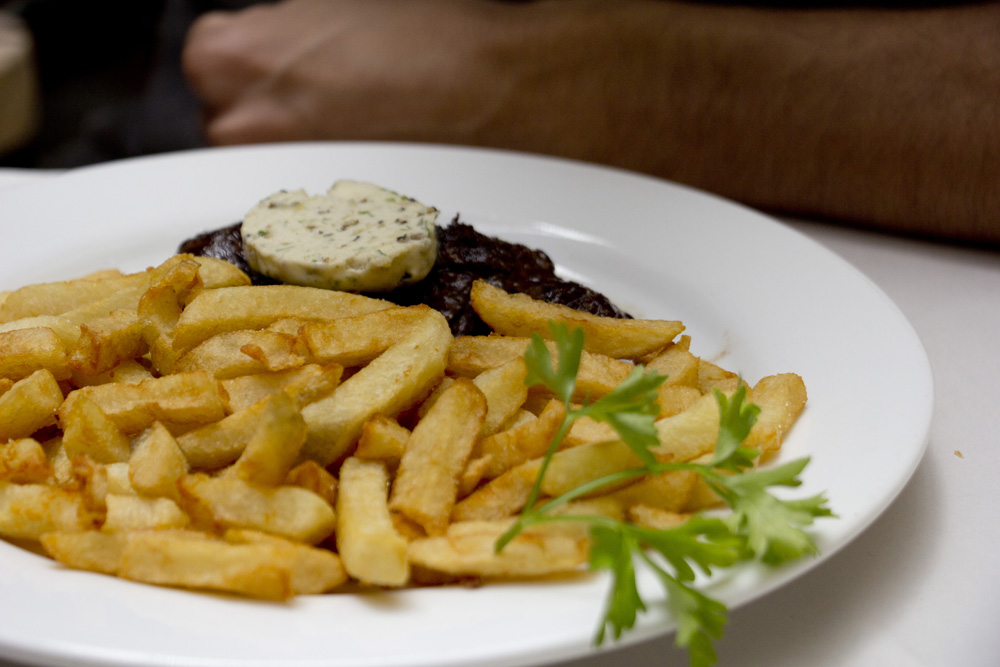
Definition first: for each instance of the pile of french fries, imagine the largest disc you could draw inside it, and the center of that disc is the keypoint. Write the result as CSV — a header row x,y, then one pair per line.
x,y
180,427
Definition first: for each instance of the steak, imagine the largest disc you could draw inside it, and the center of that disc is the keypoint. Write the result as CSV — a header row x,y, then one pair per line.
x,y
464,255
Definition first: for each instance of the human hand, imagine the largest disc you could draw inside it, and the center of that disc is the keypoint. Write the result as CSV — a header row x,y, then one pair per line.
x,y
347,69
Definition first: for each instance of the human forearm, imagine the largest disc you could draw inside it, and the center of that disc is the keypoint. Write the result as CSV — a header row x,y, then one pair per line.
x,y
884,118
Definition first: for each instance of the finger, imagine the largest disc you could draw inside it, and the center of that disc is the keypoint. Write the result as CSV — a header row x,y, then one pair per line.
x,y
257,121
217,60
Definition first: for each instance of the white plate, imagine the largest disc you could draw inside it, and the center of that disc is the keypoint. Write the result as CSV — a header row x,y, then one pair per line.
x,y
756,296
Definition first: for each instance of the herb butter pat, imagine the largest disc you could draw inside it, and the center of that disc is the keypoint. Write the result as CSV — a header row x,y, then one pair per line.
x,y
357,237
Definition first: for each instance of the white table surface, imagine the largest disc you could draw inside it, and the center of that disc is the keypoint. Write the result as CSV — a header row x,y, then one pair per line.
x,y
920,587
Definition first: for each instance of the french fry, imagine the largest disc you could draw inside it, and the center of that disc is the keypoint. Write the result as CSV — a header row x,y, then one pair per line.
x,y
656,518
505,393
89,431
28,511
781,399
24,462
576,466
392,382
514,446
274,447
469,549
129,371
355,341
305,385
668,491
238,308
234,353
89,550
372,551
29,405
520,315
159,309
68,332
471,355
127,513
382,439
502,497
156,463
194,560
312,570
678,365
426,485
221,443
183,398
59,297
287,511
24,351
107,341
309,475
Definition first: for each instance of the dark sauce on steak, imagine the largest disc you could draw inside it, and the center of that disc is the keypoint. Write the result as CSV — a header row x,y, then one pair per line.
x,y
463,256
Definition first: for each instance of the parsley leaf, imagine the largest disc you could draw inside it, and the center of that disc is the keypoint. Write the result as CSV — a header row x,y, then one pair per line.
x,y
760,525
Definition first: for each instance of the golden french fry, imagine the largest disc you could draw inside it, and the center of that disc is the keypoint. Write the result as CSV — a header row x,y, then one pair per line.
x,y
520,315
24,462
59,297
656,518
156,463
573,467
129,371
274,447
505,393
514,446
159,309
127,296
392,382
355,341
586,430
216,273
288,511
68,332
312,570
183,398
382,439
426,485
194,560
236,308
781,399
501,497
24,351
713,376
667,491
305,385
688,434
96,481
676,399
372,550
468,549
309,475
89,550
471,355
28,511
221,443
678,365
127,513
107,341
29,405
235,353
89,431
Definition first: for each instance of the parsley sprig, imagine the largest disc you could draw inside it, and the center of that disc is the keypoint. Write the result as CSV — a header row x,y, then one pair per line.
x,y
760,525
